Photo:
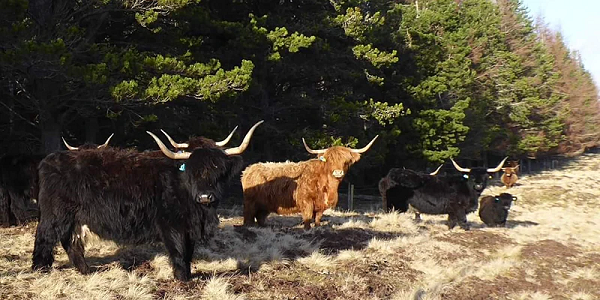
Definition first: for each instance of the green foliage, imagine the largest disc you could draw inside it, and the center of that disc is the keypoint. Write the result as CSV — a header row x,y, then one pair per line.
x,y
445,79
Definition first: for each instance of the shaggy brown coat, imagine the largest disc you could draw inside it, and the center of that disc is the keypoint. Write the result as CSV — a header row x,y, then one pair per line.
x,y
308,187
509,178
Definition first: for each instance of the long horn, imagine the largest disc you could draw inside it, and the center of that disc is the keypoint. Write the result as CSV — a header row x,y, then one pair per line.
x,y
365,148
166,151
226,140
176,145
459,168
436,171
496,169
106,143
69,146
239,149
320,151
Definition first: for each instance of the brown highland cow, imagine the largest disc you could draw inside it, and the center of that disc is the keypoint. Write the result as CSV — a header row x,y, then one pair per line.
x,y
308,187
509,178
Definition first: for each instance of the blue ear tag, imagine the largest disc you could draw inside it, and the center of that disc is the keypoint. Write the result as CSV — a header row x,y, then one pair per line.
x,y
322,158
182,168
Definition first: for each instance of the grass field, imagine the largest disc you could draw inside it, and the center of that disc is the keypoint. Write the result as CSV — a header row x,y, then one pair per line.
x,y
550,249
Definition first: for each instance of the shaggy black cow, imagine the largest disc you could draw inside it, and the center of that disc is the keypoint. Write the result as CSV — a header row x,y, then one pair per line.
x,y
18,185
388,205
493,210
452,194
131,198
199,142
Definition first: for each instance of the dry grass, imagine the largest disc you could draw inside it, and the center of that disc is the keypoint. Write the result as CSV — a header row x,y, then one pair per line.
x,y
550,249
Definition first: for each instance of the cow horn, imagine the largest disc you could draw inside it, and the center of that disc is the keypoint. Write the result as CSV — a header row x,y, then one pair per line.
x,y
436,171
239,149
459,168
69,146
173,143
106,143
226,140
498,167
170,154
311,151
365,148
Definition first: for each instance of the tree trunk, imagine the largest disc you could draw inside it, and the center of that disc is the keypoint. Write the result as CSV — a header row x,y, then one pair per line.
x,y
50,133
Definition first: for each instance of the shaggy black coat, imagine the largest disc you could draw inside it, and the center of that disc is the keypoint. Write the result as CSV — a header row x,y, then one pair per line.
x,y
493,210
455,195
19,186
130,198
18,181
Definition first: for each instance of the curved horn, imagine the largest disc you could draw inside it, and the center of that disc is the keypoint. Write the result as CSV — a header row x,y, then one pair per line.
x,y
436,171
320,151
459,168
226,140
69,146
106,143
365,148
173,143
498,167
239,149
166,151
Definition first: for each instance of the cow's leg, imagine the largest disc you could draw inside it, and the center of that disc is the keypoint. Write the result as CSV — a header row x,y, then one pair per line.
x,y
5,213
178,245
451,220
417,216
50,229
249,213
318,215
461,216
45,240
73,245
261,217
307,214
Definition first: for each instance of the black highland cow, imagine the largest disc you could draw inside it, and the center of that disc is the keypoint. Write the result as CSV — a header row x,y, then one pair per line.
x,y
18,185
199,142
132,198
493,210
455,195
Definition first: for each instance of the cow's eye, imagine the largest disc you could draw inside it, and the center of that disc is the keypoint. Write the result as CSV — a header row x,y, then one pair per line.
x,y
491,176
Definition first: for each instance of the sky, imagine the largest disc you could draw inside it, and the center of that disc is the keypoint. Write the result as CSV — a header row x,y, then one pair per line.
x,y
579,22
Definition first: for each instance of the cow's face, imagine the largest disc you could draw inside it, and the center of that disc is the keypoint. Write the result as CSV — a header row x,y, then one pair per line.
x,y
206,173
509,172
505,200
478,176
338,160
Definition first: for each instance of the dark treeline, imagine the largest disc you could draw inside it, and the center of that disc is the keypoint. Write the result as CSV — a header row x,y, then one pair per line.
x,y
435,79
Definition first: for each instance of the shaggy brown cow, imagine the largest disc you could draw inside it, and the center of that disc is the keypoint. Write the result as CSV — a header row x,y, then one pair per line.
x,y
309,187
509,178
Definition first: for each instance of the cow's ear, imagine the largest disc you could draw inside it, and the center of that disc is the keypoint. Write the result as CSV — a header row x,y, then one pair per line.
x,y
496,199
514,198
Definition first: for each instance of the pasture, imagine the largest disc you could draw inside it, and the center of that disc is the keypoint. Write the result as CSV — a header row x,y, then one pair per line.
x,y
549,250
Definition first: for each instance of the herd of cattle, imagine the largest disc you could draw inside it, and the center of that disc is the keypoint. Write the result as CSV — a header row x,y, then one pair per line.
x,y
134,197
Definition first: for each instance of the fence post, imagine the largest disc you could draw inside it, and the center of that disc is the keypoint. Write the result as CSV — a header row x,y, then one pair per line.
x,y
350,196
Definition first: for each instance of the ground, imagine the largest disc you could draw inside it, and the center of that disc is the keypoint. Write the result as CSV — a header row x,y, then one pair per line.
x,y
550,249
